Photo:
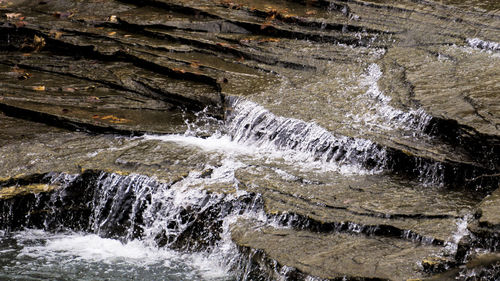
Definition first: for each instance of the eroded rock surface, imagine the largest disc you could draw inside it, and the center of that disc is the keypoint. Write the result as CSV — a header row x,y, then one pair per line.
x,y
336,256
363,136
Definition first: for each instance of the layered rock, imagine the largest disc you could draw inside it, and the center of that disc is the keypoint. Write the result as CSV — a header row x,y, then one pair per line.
x,y
391,104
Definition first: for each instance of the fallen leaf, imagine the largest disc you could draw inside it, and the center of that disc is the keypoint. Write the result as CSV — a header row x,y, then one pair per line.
x,y
38,42
195,64
112,33
226,45
269,40
178,70
127,35
38,88
310,12
13,15
119,121
24,76
113,19
288,16
55,34
114,119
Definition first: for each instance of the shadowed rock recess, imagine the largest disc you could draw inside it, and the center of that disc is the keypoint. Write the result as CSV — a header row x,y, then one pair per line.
x,y
287,139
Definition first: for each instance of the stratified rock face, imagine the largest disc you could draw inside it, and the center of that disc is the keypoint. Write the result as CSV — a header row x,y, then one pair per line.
x,y
357,139
490,213
334,256
408,76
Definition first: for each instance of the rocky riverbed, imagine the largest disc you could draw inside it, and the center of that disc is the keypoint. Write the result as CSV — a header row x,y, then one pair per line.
x,y
285,139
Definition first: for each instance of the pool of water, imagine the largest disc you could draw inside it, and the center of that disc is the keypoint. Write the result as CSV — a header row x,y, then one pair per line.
x,y
40,255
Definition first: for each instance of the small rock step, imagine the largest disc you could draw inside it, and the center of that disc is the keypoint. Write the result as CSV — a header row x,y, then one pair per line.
x,y
335,256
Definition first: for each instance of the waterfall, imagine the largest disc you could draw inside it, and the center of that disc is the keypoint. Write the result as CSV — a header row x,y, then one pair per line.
x,y
133,209
253,125
382,114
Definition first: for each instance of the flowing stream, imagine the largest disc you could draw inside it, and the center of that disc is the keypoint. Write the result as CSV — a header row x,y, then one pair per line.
x,y
248,140
140,228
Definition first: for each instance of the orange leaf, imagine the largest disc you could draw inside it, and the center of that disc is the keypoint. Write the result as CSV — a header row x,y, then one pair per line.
x,y
113,119
113,19
226,45
195,64
107,117
178,70
38,88
56,34
264,25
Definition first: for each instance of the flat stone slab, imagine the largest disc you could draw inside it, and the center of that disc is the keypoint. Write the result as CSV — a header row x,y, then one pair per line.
x,y
416,82
47,149
13,191
369,203
327,63
490,211
335,256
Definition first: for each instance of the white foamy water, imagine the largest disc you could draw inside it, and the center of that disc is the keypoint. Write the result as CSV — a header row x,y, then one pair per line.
x,y
451,246
382,114
254,132
268,152
90,257
169,213
215,143
482,44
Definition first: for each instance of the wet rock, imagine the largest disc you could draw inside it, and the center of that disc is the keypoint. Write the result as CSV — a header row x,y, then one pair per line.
x,y
13,191
481,267
486,228
159,50
409,88
437,264
334,256
358,205
490,214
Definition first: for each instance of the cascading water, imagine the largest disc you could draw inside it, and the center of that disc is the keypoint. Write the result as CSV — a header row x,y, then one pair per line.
x,y
253,125
382,114
482,44
159,220
148,215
